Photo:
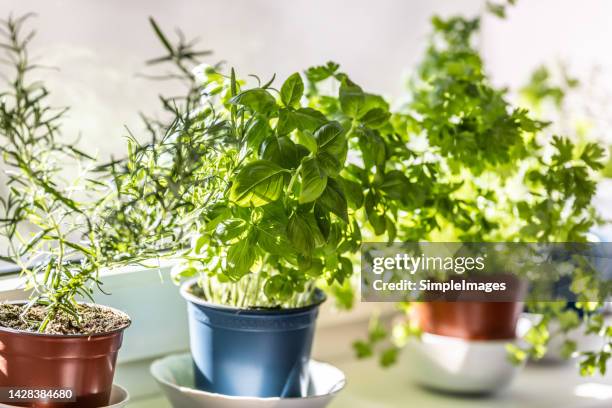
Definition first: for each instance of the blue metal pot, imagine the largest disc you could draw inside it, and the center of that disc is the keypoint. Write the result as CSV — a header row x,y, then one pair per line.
x,y
250,352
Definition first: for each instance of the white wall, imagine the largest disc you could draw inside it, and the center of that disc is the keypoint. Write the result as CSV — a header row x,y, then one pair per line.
x,y
100,45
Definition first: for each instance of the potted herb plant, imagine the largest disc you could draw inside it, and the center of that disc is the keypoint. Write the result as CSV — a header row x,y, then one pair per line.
x,y
57,350
488,149
279,223
275,219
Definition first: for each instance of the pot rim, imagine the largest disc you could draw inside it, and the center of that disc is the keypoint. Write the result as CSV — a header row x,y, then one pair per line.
x,y
69,336
190,297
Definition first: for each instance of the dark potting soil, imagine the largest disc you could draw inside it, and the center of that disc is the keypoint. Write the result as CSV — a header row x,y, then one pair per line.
x,y
94,320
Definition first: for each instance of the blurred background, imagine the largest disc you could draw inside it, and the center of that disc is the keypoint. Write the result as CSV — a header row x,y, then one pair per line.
x,y
99,47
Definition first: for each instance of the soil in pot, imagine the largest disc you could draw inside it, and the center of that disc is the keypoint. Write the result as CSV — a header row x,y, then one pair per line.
x,y
68,356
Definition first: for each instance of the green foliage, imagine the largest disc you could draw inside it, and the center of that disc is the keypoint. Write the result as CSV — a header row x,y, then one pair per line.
x,y
289,188
66,216
479,148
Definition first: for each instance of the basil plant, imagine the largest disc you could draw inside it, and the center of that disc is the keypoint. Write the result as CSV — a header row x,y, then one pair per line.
x,y
284,217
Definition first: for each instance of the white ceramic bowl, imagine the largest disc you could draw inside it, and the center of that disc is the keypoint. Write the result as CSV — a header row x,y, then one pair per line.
x,y
175,376
119,398
456,365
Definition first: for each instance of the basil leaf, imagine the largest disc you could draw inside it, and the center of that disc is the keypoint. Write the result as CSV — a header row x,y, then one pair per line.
x,y
395,185
351,98
280,150
256,100
323,221
353,192
372,147
292,90
330,165
307,139
377,221
240,258
333,200
257,131
279,287
258,183
330,138
314,180
300,234
308,118
304,119
230,228
375,117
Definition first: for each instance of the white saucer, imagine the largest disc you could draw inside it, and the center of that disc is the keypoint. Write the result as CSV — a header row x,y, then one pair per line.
x,y
119,398
175,376
461,366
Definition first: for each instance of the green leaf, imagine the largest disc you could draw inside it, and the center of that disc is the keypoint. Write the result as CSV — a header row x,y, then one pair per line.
x,y
330,165
256,100
308,140
258,183
286,123
303,119
377,220
395,185
240,258
593,155
330,138
292,90
308,118
300,234
272,229
568,349
375,117
353,192
372,146
323,221
230,229
333,200
389,356
257,131
322,72
362,349
314,180
351,98
279,287
280,150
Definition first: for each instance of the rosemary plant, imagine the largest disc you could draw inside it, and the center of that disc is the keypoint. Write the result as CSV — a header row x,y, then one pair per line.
x,y
65,216
45,215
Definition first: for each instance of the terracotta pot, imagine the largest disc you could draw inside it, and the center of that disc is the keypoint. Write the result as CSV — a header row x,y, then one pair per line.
x,y
469,320
84,364
474,319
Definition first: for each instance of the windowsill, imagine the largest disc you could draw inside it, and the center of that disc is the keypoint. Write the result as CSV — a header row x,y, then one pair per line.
x,y
159,322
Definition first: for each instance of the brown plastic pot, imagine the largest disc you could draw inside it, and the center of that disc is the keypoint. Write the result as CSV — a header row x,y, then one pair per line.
x,y
474,320
84,364
469,320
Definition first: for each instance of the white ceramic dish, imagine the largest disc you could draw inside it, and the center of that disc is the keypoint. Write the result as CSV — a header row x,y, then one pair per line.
x,y
119,398
461,366
174,374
